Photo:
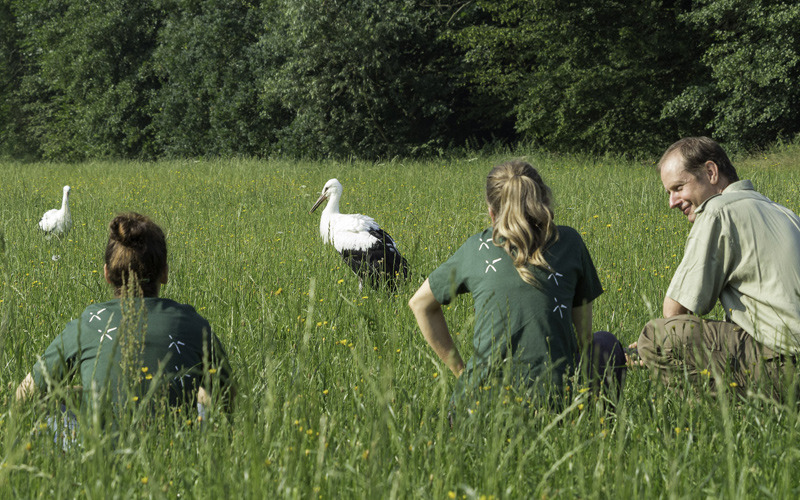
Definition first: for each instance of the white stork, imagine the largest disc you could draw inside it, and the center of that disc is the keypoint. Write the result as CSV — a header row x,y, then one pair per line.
x,y
369,251
57,221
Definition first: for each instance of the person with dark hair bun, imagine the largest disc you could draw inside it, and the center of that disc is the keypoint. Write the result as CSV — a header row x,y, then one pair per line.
x,y
123,347
533,283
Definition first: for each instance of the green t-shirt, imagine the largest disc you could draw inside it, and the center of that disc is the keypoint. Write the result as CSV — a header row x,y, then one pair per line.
x,y
531,326
120,355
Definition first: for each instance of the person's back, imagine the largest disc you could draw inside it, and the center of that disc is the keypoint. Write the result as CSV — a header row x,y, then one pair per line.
x,y
127,345
529,325
122,347
533,284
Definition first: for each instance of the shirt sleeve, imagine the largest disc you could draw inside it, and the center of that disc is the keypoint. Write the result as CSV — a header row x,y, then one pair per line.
x,y
588,286
450,279
59,359
701,275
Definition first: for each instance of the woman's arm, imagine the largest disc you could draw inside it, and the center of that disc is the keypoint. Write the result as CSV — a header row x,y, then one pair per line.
x,y
26,388
430,319
582,319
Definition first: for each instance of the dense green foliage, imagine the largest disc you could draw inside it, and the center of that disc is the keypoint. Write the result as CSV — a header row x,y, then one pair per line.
x,y
585,75
339,395
369,79
749,95
209,61
87,78
361,76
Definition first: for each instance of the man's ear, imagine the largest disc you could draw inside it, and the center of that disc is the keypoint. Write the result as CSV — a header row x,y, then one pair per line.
x,y
712,172
164,275
105,273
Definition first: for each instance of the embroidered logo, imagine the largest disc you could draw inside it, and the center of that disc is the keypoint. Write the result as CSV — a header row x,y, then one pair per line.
x,y
175,343
96,315
180,377
105,334
559,307
491,266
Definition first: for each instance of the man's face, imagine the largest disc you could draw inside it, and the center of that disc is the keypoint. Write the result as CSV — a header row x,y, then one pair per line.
x,y
687,192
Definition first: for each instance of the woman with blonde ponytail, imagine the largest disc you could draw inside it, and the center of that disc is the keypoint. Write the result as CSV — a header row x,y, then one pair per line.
x,y
522,220
533,283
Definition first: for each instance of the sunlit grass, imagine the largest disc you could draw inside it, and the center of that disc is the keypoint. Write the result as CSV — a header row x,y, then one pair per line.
x,y
340,396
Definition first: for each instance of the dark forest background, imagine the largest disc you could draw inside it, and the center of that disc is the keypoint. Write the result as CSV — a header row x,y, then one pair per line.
x,y
375,79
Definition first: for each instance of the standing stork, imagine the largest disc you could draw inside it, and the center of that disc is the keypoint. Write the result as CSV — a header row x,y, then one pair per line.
x,y
369,250
57,221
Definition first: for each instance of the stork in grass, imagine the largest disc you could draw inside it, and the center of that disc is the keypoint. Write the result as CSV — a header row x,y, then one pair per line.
x,y
369,250
57,220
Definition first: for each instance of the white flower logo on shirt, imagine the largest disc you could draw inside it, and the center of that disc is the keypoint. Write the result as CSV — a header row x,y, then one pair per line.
x,y
559,307
105,334
555,277
488,265
180,377
175,344
96,315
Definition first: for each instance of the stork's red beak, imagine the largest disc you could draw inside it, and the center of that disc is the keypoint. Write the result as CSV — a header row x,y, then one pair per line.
x,y
319,201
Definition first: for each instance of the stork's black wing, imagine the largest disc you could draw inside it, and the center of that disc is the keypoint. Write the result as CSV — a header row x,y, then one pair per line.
x,y
380,263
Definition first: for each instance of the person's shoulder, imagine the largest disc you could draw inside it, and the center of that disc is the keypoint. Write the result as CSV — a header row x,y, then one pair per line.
x,y
172,306
568,243
484,235
478,240
100,309
568,234
97,306
739,191
567,231
175,309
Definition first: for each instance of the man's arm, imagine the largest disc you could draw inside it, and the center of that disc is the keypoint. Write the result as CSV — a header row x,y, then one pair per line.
x,y
673,308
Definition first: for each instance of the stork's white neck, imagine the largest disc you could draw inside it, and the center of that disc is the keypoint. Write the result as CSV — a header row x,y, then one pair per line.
x,y
333,203
65,201
331,209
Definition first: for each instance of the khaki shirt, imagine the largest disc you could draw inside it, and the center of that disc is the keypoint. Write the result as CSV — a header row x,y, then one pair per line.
x,y
744,250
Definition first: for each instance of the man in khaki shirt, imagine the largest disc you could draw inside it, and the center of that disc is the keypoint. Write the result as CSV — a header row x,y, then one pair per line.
x,y
743,250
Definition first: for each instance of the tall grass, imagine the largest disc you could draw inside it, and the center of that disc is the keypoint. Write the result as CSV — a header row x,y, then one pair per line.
x,y
339,394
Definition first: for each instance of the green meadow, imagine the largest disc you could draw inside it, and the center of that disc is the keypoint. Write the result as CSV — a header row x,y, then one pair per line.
x,y
339,395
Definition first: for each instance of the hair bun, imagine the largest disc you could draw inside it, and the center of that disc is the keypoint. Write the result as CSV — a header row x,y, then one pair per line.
x,y
129,230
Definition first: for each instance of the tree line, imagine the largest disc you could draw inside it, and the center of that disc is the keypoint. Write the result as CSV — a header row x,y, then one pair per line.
x,y
377,79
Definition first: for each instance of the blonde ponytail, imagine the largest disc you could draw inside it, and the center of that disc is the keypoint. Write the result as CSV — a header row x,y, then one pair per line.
x,y
523,219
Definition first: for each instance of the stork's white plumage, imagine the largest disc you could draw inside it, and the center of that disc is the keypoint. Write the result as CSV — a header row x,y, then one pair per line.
x,y
57,221
369,251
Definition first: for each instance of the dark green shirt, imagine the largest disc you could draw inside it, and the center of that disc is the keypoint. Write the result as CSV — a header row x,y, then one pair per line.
x,y
530,326
121,356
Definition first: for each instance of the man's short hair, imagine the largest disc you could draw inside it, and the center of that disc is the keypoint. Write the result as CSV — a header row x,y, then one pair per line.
x,y
696,151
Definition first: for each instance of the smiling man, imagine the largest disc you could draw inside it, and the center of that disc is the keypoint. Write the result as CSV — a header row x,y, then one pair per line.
x,y
743,250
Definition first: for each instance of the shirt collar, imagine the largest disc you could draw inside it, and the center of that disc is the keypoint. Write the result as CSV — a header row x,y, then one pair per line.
x,y
735,187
